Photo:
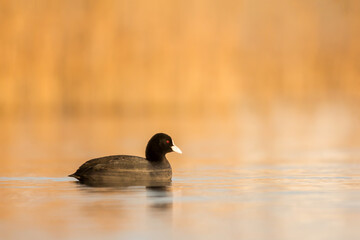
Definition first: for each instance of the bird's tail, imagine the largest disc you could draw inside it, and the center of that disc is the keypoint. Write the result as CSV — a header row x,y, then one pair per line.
x,y
74,176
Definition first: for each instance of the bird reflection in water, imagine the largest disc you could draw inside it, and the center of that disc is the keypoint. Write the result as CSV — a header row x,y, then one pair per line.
x,y
109,204
111,181
159,192
161,196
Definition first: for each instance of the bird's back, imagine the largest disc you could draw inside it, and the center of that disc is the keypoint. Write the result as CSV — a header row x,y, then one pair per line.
x,y
123,168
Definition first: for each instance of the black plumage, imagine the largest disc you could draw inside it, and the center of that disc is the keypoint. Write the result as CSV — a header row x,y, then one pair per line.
x,y
131,169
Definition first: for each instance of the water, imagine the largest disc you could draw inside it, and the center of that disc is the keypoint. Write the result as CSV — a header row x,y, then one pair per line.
x,y
281,173
275,201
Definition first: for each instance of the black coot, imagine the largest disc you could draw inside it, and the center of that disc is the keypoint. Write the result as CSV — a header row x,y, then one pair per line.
x,y
131,170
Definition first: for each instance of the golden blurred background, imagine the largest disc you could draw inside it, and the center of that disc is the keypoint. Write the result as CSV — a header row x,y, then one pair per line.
x,y
230,81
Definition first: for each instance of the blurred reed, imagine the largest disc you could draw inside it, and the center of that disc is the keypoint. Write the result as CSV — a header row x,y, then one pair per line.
x,y
231,80
139,57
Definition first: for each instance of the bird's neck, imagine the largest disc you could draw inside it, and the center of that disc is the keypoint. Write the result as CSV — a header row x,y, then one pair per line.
x,y
154,156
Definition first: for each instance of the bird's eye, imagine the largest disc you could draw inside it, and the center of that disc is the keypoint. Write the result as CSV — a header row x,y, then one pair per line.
x,y
167,141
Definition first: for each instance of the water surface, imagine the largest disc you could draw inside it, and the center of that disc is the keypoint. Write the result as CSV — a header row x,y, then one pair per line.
x,y
287,201
281,173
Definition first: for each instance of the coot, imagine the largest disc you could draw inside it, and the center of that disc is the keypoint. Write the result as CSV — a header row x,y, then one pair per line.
x,y
131,169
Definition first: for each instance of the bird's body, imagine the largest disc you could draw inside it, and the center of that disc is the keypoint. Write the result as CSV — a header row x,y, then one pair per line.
x,y
123,167
131,170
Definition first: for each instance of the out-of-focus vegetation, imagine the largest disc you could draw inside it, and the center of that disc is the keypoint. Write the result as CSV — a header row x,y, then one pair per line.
x,y
236,80
136,57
